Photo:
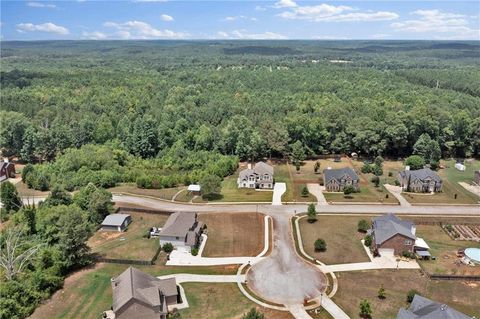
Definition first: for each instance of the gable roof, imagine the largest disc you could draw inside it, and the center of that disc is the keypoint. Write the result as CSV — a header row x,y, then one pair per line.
x,y
421,174
179,224
114,219
424,308
260,168
337,174
387,226
135,284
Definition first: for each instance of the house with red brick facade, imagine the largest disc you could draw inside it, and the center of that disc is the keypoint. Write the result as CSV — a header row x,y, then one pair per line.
x,y
392,236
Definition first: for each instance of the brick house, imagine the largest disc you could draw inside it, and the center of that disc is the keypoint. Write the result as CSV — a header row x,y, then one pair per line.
x,y
420,181
7,170
392,236
335,180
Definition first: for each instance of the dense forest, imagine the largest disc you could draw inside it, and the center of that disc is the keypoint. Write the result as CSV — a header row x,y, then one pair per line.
x,y
87,115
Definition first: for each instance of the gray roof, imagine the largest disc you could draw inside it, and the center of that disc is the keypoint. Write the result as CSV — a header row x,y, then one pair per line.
x,y
421,174
260,168
424,308
114,219
387,226
179,224
135,284
337,174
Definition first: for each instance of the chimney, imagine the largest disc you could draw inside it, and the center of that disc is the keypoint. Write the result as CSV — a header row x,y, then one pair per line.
x,y
114,282
6,160
249,165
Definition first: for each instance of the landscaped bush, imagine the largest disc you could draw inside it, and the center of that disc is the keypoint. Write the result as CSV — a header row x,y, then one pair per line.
x,y
320,245
167,247
347,190
411,294
368,241
194,251
366,168
407,254
363,226
304,191
312,213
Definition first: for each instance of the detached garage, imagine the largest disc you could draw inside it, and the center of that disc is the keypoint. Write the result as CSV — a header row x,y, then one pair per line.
x,y
116,222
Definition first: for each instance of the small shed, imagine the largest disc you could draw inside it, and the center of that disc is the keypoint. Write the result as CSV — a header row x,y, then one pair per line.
x,y
195,189
116,222
460,166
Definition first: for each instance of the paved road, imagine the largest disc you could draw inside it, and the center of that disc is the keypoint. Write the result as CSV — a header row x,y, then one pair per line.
x,y
472,210
278,190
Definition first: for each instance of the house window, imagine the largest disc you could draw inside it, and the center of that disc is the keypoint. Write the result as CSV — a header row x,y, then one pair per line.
x,y
408,242
177,238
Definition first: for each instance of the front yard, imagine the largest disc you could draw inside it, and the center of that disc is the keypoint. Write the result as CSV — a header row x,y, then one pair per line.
x,y
164,193
130,244
341,236
230,235
231,193
355,286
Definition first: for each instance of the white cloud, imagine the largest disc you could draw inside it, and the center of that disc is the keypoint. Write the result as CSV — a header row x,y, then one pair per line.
x,y
285,4
260,8
143,30
244,35
95,35
240,17
380,36
437,21
327,12
41,5
44,27
166,17
149,0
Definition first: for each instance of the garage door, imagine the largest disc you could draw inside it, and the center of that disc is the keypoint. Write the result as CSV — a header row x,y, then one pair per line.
x,y
386,251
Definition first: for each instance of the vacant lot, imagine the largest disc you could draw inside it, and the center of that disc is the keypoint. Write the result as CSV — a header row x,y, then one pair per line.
x,y
355,286
286,173
232,235
24,191
87,293
340,233
221,300
130,244
444,249
164,193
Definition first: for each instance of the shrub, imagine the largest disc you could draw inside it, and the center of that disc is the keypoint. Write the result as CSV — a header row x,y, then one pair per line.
x,y
304,191
375,180
368,241
365,309
320,245
411,293
316,168
366,168
349,189
253,314
167,247
381,293
415,162
194,251
312,213
390,174
396,182
363,226
407,254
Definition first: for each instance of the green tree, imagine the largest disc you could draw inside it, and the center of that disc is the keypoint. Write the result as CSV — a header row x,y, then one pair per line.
x,y
365,309
143,139
320,245
367,168
97,201
58,196
305,191
253,314
381,292
10,199
376,180
167,247
363,226
28,151
297,152
12,129
311,213
415,162
316,168
378,161
211,185
348,189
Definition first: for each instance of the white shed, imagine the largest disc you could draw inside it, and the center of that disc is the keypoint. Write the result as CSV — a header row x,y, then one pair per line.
x,y
194,189
460,166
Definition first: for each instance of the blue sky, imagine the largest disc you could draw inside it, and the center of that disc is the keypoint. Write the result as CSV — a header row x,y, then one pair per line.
x,y
281,19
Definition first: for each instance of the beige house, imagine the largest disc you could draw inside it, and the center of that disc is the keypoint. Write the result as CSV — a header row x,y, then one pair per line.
x,y
420,181
260,176
182,230
335,180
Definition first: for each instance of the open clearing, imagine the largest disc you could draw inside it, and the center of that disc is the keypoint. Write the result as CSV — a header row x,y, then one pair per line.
x,y
221,300
341,236
164,193
355,286
287,173
130,244
231,235
445,250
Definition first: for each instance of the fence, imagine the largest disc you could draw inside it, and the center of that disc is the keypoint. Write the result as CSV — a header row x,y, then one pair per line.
x,y
141,210
131,261
448,277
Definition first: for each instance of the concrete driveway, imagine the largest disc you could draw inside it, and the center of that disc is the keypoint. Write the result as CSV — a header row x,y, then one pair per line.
x,y
278,190
317,191
397,192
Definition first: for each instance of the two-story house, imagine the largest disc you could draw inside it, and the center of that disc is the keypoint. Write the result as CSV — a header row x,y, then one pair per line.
x,y
335,180
420,181
260,176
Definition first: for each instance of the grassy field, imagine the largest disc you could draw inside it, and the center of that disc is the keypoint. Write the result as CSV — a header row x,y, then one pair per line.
x,y
341,236
231,193
450,176
24,191
87,293
444,249
287,173
164,193
221,300
355,286
233,234
129,244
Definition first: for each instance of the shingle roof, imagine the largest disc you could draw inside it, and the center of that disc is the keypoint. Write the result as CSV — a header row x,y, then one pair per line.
x,y
260,168
178,224
135,284
421,174
114,219
387,226
337,174
424,308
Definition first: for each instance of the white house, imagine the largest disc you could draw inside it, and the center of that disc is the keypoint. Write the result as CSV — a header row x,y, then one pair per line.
x,y
260,176
116,222
460,166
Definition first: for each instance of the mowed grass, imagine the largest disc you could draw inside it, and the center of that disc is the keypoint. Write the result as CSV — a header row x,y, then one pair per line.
x,y
222,301
355,286
164,193
229,235
444,249
341,236
286,173
24,191
87,293
450,177
231,193
129,244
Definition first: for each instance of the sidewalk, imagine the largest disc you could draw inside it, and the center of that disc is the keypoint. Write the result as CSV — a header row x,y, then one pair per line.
x,y
278,190
317,191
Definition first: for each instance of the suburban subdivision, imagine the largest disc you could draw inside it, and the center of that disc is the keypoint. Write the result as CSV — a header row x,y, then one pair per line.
x,y
239,160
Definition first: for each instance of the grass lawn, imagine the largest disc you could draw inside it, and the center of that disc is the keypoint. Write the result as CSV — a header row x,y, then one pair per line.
x,y
24,191
164,193
355,286
444,249
286,173
450,176
231,192
221,300
229,235
87,293
341,236
129,244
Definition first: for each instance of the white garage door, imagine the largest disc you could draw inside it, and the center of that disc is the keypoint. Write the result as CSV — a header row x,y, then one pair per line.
x,y
386,251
